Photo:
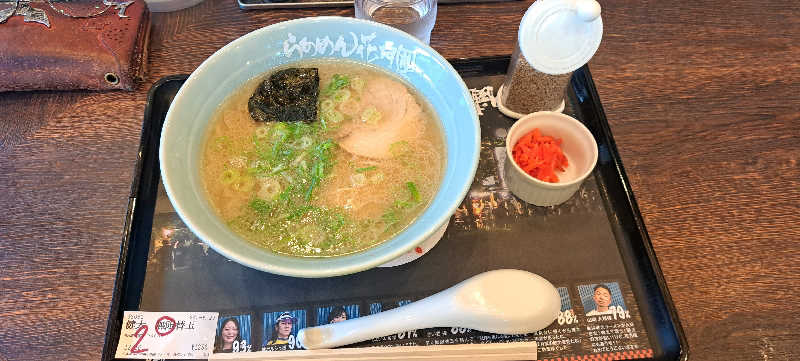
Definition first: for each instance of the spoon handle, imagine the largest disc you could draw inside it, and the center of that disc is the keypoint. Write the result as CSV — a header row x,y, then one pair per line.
x,y
412,316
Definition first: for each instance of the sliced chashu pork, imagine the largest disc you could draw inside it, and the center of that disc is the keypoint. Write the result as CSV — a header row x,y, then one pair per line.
x,y
400,120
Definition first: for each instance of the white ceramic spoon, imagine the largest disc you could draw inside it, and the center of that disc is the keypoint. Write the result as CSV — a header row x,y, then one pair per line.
x,y
503,301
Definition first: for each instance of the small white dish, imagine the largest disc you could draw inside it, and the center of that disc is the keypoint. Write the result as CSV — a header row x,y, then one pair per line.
x,y
578,146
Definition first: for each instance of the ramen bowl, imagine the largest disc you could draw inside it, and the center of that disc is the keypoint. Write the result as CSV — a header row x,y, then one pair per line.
x,y
256,53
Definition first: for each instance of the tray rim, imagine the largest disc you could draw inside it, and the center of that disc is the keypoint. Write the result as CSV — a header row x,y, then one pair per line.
x,y
245,5
122,279
633,206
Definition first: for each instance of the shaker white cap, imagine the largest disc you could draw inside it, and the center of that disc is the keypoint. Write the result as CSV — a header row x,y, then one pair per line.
x,y
559,36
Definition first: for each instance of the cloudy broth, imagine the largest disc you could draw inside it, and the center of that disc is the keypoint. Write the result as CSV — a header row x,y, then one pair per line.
x,y
357,175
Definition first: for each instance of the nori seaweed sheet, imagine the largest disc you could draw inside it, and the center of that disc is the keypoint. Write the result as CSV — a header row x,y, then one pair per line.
x,y
288,95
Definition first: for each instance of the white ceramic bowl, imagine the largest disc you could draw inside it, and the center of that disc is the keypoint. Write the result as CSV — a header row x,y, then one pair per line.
x,y
578,146
315,38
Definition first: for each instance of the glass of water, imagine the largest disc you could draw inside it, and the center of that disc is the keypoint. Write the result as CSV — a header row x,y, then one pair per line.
x,y
415,17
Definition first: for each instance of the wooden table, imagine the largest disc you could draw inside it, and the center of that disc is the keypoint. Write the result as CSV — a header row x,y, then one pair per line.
x,y
703,98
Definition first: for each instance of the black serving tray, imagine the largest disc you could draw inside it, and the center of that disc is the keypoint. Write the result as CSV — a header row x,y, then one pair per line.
x,y
275,4
596,237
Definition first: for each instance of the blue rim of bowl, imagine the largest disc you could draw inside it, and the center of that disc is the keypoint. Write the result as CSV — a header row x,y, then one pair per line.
x,y
347,269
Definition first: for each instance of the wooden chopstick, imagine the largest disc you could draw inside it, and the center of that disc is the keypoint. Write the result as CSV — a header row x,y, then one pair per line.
x,y
486,351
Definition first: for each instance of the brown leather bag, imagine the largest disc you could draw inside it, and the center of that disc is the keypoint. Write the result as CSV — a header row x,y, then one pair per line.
x,y
102,52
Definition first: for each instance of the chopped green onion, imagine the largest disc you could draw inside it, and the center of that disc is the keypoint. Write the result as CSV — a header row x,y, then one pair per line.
x,y
244,184
349,107
314,181
332,116
320,170
414,192
229,176
337,82
399,148
335,223
300,158
371,115
326,105
341,96
325,116
336,117
299,212
366,169
305,142
280,131
261,206
280,168
270,189
390,218
357,84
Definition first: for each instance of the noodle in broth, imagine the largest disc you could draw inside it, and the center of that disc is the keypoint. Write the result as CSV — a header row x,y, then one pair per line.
x,y
357,175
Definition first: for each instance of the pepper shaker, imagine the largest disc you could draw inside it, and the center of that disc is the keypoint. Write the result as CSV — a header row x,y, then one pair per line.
x,y
555,38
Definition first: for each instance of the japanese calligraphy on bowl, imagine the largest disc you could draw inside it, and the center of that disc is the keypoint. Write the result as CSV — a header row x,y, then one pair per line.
x,y
364,47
